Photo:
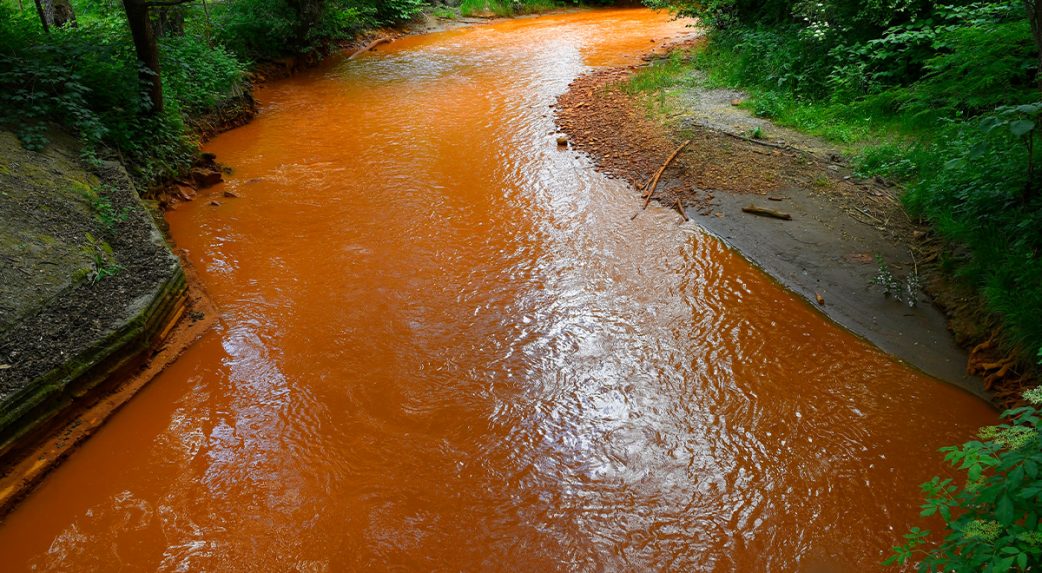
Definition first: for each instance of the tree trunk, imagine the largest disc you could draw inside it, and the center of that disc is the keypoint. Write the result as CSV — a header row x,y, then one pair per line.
x,y
147,52
43,17
48,12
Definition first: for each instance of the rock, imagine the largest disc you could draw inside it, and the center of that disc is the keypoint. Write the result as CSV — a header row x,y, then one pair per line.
x,y
562,140
206,177
736,101
215,204
184,192
231,195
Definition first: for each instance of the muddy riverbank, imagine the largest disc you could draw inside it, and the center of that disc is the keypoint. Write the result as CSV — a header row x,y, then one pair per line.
x,y
841,230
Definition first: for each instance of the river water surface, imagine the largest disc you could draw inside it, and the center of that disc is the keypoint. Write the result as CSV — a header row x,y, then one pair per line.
x,y
444,345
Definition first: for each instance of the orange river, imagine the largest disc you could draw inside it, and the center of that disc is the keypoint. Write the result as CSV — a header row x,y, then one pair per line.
x,y
444,346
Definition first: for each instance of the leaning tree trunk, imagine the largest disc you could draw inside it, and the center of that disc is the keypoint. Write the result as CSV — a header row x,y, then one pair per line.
x,y
147,51
43,16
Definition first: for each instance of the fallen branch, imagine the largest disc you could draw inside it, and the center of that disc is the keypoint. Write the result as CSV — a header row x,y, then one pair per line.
x,y
658,174
764,212
368,47
757,141
680,209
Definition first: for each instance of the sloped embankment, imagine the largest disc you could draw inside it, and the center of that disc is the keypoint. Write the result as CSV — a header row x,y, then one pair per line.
x,y
88,286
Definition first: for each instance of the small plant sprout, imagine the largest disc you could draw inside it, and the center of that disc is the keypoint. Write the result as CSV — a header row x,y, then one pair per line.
x,y
906,291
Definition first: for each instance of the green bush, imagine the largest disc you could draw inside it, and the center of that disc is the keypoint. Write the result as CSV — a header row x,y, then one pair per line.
x,y
505,7
975,193
255,29
196,76
391,11
992,520
87,80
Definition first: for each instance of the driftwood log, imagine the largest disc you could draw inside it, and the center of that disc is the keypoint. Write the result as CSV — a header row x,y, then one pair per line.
x,y
764,212
368,47
658,174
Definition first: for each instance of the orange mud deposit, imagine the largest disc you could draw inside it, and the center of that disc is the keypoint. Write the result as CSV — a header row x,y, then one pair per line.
x,y
444,346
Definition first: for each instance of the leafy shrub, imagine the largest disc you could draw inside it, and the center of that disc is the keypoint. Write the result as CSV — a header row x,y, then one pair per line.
x,y
87,80
770,104
38,84
505,7
398,10
197,76
991,521
977,195
780,59
896,161
255,29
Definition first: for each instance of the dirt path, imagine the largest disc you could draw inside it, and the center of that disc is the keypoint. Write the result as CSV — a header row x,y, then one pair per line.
x,y
840,226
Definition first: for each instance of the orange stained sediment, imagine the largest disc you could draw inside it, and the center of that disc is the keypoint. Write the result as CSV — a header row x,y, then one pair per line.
x,y
444,346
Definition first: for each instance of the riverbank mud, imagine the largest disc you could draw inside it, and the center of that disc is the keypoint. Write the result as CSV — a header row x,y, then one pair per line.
x,y
841,231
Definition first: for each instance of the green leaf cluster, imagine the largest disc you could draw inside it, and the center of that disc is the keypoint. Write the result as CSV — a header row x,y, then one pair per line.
x,y
991,518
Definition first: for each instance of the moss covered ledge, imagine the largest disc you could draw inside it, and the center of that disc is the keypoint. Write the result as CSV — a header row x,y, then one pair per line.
x,y
87,286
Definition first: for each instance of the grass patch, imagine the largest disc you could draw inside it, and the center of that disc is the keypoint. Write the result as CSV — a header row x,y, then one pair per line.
x,y
505,8
445,13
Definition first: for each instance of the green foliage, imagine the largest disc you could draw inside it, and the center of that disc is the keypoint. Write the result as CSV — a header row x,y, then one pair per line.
x,y
86,79
975,192
38,83
444,12
106,212
269,29
505,7
992,519
197,76
661,74
896,161
398,10
255,29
